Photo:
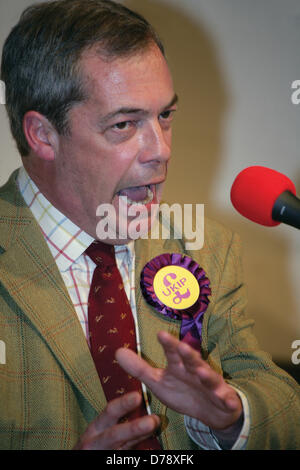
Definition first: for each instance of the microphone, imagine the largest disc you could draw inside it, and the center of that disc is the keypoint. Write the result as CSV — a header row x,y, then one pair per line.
x,y
266,197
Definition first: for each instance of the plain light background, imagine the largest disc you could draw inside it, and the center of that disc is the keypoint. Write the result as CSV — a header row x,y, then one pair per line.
x,y
233,62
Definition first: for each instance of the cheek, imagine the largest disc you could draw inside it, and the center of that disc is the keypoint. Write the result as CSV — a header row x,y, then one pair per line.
x,y
99,166
106,173
118,163
168,137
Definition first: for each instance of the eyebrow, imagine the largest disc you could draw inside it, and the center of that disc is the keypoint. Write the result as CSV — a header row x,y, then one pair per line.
x,y
125,110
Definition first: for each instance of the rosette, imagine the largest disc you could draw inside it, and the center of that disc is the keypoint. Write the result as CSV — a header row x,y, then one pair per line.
x,y
177,287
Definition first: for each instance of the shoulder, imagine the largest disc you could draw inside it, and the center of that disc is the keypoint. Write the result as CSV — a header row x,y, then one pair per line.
x,y
15,215
205,240
9,192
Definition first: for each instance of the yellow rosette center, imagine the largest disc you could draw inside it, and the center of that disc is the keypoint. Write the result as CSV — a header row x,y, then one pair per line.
x,y
176,287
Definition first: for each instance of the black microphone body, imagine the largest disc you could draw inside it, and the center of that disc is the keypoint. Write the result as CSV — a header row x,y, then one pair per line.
x,y
287,209
266,197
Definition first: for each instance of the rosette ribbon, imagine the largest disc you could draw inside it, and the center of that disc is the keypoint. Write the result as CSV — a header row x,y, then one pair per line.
x,y
191,317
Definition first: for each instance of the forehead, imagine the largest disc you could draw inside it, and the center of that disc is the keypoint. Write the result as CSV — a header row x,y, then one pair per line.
x,y
141,80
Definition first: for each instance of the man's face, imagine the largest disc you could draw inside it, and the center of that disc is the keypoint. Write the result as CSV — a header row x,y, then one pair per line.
x,y
120,140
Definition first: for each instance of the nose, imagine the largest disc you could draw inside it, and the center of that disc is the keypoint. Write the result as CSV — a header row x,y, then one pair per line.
x,y
156,147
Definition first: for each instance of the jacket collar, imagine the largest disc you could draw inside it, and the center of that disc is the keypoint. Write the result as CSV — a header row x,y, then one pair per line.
x,y
29,273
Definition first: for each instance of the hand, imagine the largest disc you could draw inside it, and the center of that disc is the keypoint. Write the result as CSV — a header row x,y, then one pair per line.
x,y
188,384
105,433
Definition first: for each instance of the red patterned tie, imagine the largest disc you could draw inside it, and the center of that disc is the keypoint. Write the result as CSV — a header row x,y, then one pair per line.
x,y
111,326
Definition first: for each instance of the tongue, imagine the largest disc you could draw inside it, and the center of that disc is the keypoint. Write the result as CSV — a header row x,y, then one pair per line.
x,y
136,194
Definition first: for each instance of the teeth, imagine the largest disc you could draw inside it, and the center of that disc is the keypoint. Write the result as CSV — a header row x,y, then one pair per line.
x,y
148,199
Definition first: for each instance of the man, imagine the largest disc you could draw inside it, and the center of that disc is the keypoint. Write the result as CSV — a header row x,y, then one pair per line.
x,y
90,100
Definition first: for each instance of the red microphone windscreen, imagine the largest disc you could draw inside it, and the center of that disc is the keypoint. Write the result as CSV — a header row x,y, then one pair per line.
x,y
255,190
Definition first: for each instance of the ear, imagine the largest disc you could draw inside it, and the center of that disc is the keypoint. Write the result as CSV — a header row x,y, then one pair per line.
x,y
41,135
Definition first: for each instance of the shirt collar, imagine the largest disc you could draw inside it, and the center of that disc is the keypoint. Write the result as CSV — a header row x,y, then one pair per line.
x,y
67,242
125,255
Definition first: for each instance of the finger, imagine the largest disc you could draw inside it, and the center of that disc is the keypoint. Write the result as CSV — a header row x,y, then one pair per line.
x,y
114,411
183,351
210,379
170,345
196,366
132,443
125,434
167,339
233,401
191,358
218,391
135,365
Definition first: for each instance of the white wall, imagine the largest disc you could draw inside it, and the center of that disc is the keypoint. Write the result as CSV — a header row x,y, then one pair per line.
x,y
9,160
233,62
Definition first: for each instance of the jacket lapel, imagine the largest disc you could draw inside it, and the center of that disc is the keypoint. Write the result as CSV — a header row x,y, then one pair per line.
x,y
30,275
150,321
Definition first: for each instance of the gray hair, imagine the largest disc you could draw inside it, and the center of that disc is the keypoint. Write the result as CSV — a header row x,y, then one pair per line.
x,y
40,59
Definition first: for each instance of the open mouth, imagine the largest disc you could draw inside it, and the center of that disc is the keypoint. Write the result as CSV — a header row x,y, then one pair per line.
x,y
138,194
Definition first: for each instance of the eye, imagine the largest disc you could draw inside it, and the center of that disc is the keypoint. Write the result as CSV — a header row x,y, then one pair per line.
x,y
166,118
122,126
120,131
166,114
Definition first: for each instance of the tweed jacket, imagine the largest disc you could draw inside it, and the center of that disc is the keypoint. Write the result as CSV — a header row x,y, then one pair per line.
x,y
49,387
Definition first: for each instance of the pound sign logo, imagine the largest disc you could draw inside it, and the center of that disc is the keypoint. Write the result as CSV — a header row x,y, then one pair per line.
x,y
176,287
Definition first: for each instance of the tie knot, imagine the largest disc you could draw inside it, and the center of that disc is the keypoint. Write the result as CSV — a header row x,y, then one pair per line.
x,y
102,254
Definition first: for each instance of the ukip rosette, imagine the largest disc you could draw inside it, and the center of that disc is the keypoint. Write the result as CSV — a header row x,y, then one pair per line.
x,y
177,287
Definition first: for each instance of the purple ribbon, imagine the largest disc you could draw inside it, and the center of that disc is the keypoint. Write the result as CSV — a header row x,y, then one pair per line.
x,y
192,317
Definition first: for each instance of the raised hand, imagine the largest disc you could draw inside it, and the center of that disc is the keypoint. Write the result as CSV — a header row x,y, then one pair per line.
x,y
188,384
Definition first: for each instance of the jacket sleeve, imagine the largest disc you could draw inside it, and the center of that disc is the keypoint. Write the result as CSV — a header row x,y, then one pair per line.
x,y
273,396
